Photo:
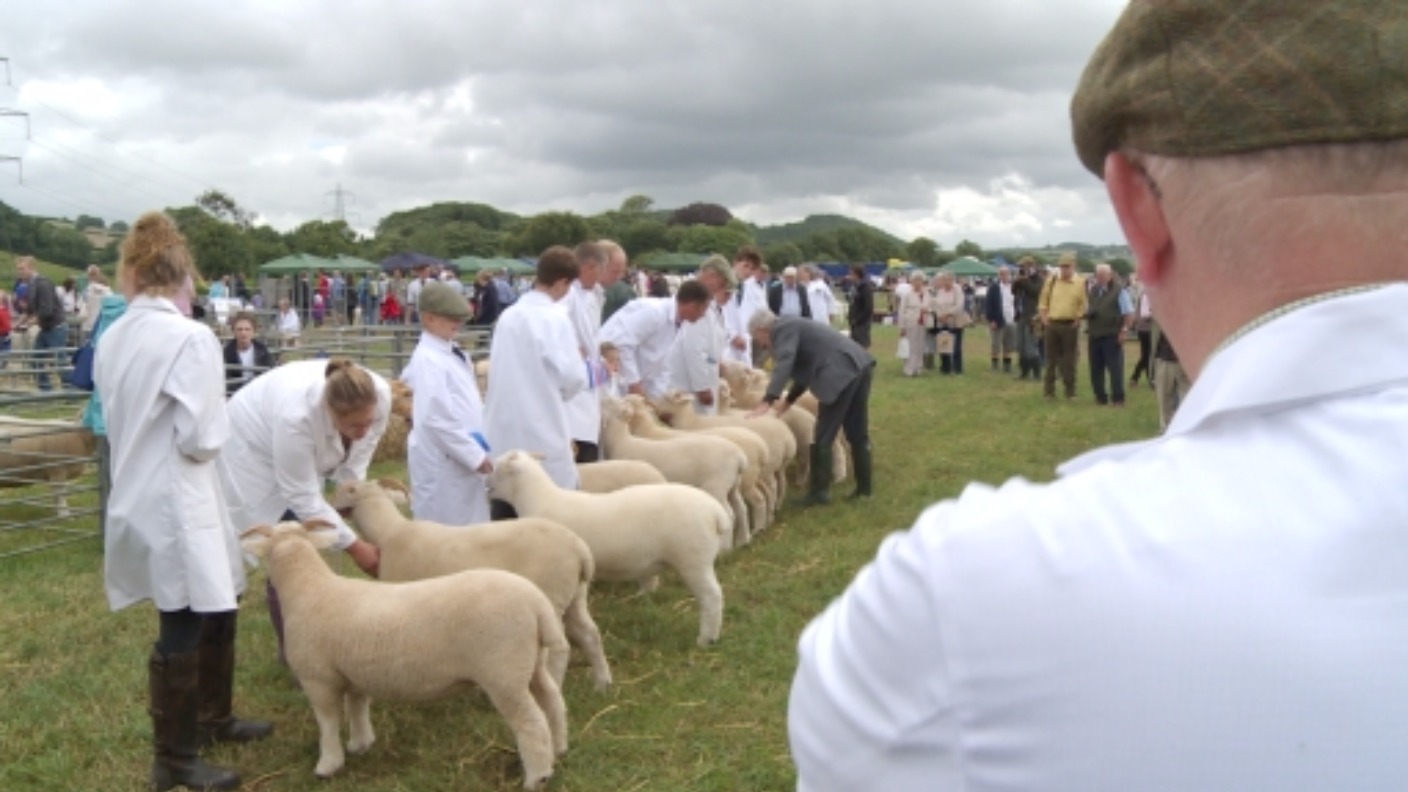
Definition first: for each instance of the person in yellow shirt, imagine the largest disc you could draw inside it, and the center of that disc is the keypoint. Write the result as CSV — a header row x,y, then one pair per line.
x,y
1062,306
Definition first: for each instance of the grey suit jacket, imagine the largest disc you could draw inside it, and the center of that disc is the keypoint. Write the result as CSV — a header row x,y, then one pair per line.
x,y
813,357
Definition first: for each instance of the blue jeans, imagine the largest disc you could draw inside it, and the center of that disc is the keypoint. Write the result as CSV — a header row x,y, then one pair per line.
x,y
54,338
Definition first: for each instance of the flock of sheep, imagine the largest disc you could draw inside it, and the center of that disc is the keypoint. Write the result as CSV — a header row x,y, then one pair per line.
x,y
506,599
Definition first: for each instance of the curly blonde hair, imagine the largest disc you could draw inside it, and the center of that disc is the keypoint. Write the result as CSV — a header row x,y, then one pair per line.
x,y
155,256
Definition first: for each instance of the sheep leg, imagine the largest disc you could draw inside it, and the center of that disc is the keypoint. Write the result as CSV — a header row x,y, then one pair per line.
x,y
530,729
582,632
549,697
765,486
757,509
704,585
61,500
804,465
741,535
781,486
650,584
840,457
359,721
327,708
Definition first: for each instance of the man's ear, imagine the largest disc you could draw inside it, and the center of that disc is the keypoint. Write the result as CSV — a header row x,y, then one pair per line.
x,y
1140,210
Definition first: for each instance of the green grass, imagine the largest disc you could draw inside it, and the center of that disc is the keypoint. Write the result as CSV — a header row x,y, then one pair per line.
x,y
72,675
54,272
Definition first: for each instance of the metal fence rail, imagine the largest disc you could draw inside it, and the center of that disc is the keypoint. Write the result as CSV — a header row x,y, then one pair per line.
x,y
30,521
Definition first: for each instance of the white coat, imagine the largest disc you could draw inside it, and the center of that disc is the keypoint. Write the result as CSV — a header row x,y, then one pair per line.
x,y
821,300
441,455
283,447
1220,608
169,537
694,359
535,368
644,332
736,326
584,410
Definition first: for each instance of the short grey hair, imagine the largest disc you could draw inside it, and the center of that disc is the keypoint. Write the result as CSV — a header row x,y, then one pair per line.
x,y
761,321
719,266
1102,267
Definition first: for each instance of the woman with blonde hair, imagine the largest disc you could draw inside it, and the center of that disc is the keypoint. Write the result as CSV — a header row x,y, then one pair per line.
x,y
913,312
294,428
169,538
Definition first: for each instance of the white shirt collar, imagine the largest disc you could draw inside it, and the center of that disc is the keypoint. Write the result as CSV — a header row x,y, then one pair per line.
x,y
1316,353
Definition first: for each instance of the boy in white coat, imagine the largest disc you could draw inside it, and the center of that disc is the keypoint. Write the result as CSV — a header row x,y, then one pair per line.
x,y
535,369
447,455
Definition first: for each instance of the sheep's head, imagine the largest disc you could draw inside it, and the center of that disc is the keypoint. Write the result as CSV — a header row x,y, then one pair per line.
x,y
349,493
615,409
401,399
261,539
505,480
725,397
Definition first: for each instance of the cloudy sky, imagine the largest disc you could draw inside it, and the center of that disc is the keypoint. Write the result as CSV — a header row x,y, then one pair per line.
x,y
945,118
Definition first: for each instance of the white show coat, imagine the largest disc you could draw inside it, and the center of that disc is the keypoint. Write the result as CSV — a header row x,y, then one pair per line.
x,y
644,332
442,457
736,326
694,359
821,300
584,410
1223,608
534,369
283,447
169,537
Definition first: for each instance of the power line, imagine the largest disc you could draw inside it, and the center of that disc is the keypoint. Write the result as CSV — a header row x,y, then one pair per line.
x,y
95,170
340,199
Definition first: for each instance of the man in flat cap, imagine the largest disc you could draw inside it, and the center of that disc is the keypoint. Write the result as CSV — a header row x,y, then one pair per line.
x,y
1225,607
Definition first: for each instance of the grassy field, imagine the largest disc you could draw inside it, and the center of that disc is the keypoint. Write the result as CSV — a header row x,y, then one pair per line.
x,y
54,272
72,675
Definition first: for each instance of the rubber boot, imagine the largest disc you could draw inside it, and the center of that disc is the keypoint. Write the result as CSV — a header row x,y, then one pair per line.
x,y
860,459
994,364
819,478
173,681
217,681
1007,365
928,362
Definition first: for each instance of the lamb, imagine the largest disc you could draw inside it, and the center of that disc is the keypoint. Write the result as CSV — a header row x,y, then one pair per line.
x,y
802,422
610,475
716,468
678,410
392,446
750,384
359,640
634,533
551,556
643,423
37,452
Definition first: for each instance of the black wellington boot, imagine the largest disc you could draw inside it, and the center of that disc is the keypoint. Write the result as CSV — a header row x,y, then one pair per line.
x,y
173,681
860,458
819,480
217,681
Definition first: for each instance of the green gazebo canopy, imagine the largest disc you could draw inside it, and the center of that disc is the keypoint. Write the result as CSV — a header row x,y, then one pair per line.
x,y
968,267
297,262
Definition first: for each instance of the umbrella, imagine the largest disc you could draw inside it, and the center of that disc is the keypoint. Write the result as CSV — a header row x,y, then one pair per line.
x,y
410,262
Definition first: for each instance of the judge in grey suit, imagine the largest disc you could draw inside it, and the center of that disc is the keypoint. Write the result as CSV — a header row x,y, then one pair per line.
x,y
837,371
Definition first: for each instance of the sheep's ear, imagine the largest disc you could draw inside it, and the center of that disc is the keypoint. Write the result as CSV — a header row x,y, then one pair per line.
x,y
345,496
321,533
255,540
393,486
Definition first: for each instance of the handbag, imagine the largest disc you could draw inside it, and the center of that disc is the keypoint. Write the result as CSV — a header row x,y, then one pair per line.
x,y
902,351
943,344
81,377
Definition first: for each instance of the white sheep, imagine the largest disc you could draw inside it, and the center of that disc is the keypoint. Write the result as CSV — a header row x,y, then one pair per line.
x,y
634,533
756,486
551,556
420,641
802,421
44,452
609,475
677,409
713,466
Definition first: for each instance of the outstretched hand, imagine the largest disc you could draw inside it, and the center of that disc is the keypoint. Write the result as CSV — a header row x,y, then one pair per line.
x,y
366,556
759,411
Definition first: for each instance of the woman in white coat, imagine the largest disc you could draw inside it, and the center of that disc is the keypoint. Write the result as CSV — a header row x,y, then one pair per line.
x,y
292,429
447,454
169,538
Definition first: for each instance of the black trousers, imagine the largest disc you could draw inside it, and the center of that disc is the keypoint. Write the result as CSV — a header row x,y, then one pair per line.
x,y
1146,340
850,412
860,333
180,630
1107,355
587,452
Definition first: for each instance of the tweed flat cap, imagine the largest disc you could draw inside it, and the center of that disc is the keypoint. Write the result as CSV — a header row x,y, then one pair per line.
x,y
441,300
1196,78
